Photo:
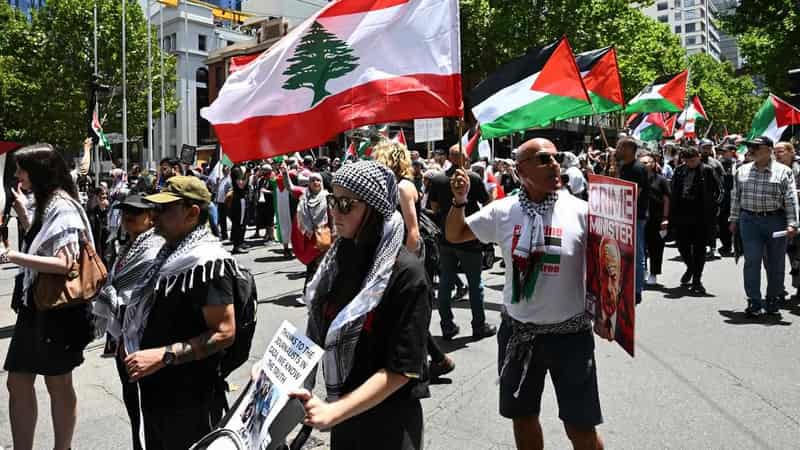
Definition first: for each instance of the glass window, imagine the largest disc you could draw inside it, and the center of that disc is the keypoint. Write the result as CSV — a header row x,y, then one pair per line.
x,y
677,29
691,40
690,27
662,6
201,42
174,41
677,16
663,19
677,3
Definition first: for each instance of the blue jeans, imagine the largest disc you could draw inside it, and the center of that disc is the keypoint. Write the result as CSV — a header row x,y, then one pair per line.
x,y
641,259
756,238
449,258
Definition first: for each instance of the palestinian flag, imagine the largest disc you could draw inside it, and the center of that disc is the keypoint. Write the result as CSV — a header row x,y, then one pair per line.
x,y
670,121
649,127
351,150
98,130
773,118
364,149
665,94
348,65
694,111
600,74
400,138
529,91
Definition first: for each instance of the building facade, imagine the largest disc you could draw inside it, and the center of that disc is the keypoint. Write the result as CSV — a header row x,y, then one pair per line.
x,y
26,5
293,11
727,43
693,21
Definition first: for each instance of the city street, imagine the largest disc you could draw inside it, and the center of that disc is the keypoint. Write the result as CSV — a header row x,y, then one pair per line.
x,y
704,376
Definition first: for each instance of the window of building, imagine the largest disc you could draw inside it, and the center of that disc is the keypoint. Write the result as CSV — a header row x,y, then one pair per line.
x,y
690,27
167,45
201,42
662,6
173,150
174,119
677,29
230,43
663,19
677,16
677,3
174,41
691,40
692,14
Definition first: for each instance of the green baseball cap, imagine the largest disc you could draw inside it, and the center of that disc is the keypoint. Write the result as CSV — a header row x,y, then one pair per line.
x,y
181,188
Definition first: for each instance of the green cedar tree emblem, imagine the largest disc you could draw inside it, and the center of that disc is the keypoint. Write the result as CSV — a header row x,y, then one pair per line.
x,y
319,57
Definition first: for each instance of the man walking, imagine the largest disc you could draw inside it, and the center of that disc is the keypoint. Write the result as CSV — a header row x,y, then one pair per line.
x,y
764,201
545,327
785,154
728,162
221,191
707,156
466,254
693,215
179,320
657,222
632,170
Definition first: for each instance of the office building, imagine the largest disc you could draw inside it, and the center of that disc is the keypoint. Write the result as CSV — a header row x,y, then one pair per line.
x,y
693,21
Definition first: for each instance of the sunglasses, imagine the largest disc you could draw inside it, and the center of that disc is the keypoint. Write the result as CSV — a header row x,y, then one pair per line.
x,y
343,204
544,158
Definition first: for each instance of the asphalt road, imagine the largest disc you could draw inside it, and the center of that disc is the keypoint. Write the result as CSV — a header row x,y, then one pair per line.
x,y
704,377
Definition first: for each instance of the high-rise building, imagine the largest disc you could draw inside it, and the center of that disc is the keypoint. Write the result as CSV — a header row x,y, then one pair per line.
x,y
693,21
294,11
26,5
727,43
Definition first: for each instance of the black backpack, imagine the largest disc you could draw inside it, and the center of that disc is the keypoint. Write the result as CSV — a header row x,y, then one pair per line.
x,y
430,234
245,305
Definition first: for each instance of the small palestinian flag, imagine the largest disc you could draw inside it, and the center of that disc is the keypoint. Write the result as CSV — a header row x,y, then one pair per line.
x,y
400,138
773,118
600,74
694,111
665,94
529,91
649,127
670,121
365,149
98,130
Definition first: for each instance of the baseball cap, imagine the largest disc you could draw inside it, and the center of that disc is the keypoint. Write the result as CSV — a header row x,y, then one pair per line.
x,y
181,188
761,140
133,201
705,142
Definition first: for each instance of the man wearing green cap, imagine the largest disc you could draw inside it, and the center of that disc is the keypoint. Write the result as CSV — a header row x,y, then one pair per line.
x,y
180,317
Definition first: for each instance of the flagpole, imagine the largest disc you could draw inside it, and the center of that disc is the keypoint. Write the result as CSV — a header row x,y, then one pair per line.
x,y
149,88
124,92
161,81
460,145
186,68
96,149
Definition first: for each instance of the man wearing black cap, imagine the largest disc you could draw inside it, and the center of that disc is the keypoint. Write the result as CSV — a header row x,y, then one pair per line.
x,y
179,319
634,171
764,202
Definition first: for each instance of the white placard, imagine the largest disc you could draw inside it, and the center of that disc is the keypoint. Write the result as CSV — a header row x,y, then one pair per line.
x,y
428,130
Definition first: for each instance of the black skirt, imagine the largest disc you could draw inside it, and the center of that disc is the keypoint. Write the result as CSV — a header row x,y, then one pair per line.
x,y
49,343
395,424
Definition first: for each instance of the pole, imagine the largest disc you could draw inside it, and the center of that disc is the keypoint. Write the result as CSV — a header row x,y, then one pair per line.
x,y
96,149
186,69
149,88
602,132
161,78
708,130
124,91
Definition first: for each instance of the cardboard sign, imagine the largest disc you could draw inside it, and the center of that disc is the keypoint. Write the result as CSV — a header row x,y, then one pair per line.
x,y
428,130
188,153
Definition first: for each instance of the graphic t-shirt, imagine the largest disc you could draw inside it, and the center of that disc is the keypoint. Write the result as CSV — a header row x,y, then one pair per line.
x,y
559,292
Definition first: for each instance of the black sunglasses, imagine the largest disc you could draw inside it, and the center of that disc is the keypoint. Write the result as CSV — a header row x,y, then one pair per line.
x,y
544,158
343,204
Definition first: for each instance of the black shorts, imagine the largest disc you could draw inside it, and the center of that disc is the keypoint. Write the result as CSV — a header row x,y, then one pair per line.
x,y
570,360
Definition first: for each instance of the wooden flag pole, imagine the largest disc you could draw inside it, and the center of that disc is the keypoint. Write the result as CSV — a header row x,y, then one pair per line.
x,y
460,144
602,132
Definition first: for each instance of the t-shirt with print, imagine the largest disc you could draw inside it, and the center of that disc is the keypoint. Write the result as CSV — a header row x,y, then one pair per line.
x,y
560,275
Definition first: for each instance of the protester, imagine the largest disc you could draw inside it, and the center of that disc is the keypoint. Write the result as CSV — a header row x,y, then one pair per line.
x,y
237,210
785,154
695,196
132,263
658,207
265,206
466,254
545,326
374,324
97,209
179,319
48,343
166,171
632,170
314,226
729,167
224,186
707,156
763,202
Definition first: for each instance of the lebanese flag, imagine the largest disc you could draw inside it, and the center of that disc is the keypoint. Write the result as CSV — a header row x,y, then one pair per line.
x,y
351,64
773,118
529,91
400,138
600,73
238,63
665,94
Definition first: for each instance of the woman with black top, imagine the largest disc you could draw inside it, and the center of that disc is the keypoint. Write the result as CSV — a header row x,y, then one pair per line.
x,y
237,210
48,343
369,308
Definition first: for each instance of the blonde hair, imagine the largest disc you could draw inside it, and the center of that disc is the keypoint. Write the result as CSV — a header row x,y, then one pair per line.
x,y
787,145
395,156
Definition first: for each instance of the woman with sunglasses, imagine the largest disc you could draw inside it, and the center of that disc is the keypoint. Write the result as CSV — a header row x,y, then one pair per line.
x,y
369,308
313,225
132,262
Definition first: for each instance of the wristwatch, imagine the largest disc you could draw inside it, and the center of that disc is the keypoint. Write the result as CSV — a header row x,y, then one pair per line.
x,y
169,356
459,205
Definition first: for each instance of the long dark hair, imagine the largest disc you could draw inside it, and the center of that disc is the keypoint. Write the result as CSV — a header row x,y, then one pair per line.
x,y
47,172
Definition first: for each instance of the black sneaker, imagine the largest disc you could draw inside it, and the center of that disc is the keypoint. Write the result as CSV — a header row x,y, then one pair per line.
x,y
773,305
753,311
697,289
686,278
239,251
484,331
443,367
461,293
449,332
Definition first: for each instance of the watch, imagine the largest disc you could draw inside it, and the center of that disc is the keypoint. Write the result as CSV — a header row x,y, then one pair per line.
x,y
459,205
169,356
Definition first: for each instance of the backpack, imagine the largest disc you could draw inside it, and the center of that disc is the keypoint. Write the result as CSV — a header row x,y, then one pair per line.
x,y
245,306
430,234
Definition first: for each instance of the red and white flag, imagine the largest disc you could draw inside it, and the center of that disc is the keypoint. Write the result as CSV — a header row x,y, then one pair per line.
x,y
353,63
400,138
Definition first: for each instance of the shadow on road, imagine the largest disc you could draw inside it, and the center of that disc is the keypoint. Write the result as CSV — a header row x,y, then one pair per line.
x,y
268,259
740,318
453,344
290,300
792,306
676,292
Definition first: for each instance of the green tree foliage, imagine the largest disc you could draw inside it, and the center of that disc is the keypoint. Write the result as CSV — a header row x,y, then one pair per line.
x,y
728,99
768,33
46,63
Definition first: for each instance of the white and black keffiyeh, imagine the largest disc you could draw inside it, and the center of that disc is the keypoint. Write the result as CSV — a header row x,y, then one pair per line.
x,y
312,211
199,254
376,186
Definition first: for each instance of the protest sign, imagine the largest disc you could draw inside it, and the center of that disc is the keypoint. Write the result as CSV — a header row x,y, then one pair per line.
x,y
611,258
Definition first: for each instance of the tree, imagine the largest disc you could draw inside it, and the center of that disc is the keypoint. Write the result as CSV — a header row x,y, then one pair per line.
x,y
768,35
47,63
728,99
319,57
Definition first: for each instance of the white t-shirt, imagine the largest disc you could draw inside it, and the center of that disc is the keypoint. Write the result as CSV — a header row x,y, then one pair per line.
x,y
560,290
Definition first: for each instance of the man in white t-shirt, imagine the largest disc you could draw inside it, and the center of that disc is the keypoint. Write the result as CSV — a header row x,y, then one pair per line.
x,y
545,325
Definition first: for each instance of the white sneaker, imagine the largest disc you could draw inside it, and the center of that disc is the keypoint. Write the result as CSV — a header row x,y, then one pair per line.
x,y
652,279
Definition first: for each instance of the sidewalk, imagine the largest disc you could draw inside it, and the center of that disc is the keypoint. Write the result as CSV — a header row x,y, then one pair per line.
x,y
7,273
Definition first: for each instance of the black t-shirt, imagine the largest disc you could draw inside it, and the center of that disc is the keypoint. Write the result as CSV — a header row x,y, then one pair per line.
x,y
659,187
178,317
442,194
395,333
635,172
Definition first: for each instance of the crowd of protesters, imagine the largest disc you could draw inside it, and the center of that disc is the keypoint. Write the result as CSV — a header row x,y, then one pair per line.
x,y
394,236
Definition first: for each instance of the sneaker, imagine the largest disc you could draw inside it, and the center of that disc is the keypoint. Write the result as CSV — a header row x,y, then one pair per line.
x,y
461,293
725,251
484,331
697,289
239,251
450,331
652,279
773,305
686,278
753,310
443,367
